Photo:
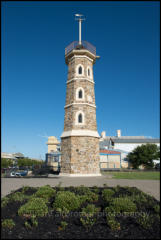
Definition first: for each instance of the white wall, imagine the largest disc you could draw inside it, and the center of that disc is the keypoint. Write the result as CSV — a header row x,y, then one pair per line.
x,y
128,146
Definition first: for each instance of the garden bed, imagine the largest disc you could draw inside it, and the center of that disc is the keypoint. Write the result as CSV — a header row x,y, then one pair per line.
x,y
80,213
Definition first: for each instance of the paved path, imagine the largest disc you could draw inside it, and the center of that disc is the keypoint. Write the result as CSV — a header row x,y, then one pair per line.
x,y
151,187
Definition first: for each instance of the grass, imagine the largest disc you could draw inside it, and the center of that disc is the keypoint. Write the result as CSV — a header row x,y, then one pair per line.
x,y
135,175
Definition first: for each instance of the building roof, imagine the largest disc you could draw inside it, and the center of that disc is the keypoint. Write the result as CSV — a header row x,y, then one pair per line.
x,y
137,140
130,140
109,151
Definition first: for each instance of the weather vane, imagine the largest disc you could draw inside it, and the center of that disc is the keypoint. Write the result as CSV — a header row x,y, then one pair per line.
x,y
79,17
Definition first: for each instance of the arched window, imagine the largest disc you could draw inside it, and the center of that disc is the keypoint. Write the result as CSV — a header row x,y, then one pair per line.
x,y
80,118
80,95
89,72
80,70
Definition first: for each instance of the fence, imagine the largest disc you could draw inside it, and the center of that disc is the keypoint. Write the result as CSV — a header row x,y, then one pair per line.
x,y
84,44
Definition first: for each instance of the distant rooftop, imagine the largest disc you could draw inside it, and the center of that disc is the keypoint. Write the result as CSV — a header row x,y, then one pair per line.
x,y
104,151
129,140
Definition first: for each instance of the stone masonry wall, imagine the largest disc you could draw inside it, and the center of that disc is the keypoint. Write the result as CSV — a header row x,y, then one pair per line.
x,y
89,118
88,91
84,155
74,62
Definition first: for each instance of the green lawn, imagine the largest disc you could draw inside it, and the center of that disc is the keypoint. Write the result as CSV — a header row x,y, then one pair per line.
x,y
134,175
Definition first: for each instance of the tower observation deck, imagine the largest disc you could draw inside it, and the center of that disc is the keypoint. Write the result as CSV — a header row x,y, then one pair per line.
x,y
76,46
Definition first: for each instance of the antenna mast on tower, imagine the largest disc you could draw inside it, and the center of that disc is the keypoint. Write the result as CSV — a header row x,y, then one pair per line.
x,y
79,17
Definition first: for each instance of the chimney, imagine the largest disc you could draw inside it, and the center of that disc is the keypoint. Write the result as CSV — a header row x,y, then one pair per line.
x,y
118,133
103,134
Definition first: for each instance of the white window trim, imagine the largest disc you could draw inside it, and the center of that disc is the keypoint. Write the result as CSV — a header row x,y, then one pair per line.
x,y
77,94
76,118
90,69
77,69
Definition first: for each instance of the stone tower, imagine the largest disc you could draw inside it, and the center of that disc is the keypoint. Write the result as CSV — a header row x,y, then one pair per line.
x,y
80,139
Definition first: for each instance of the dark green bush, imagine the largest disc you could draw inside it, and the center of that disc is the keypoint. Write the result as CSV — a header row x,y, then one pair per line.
x,y
45,192
88,215
8,223
138,198
66,201
145,221
86,195
157,208
63,225
121,204
113,223
32,222
82,190
25,188
91,197
18,196
107,194
4,201
96,190
35,206
124,205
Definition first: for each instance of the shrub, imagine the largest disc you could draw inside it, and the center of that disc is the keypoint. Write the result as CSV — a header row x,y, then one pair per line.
x,y
138,198
82,190
27,224
25,188
107,194
8,223
113,224
35,206
117,188
19,196
145,221
91,197
66,201
96,190
45,192
63,225
88,215
157,208
123,204
4,201
86,194
32,223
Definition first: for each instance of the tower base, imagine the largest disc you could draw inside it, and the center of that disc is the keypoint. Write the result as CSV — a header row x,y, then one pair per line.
x,y
80,156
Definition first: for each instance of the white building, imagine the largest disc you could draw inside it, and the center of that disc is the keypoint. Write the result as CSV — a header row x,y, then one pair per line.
x,y
124,144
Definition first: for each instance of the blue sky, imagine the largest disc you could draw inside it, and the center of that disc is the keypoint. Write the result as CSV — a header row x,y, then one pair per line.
x,y
34,73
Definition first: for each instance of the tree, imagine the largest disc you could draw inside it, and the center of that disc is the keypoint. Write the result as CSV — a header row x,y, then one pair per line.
x,y
5,163
144,155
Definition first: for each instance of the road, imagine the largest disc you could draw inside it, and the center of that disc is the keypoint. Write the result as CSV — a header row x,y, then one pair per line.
x,y
151,187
